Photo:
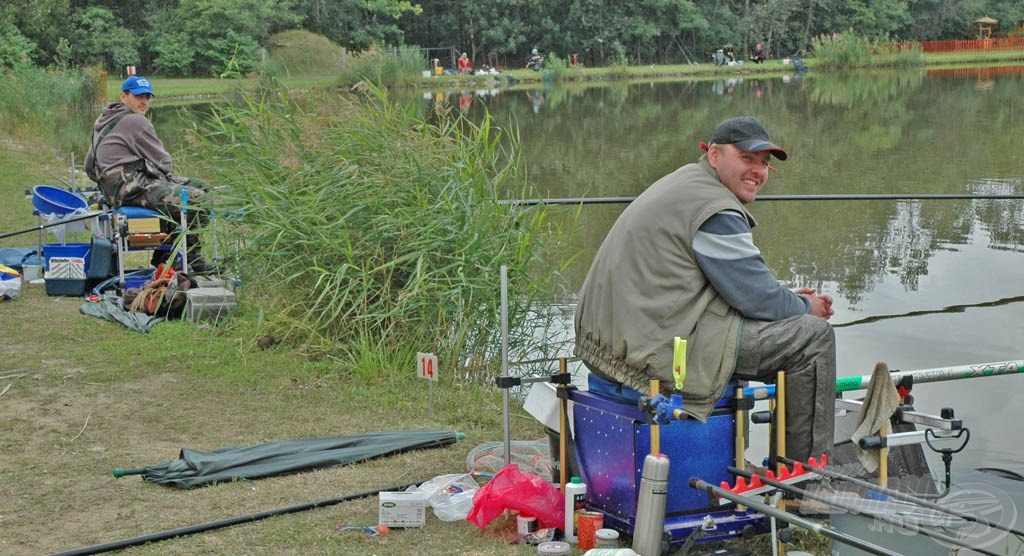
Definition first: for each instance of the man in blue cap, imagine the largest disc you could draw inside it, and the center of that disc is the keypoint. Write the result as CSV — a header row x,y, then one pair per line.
x,y
131,166
681,261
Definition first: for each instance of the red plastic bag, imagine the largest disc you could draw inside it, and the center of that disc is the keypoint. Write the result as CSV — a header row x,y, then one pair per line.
x,y
511,489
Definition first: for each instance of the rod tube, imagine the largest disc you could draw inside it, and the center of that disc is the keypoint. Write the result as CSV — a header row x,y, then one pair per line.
x,y
211,525
828,473
836,197
808,524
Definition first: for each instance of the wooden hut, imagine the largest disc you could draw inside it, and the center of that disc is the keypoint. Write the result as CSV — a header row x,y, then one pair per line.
x,y
985,25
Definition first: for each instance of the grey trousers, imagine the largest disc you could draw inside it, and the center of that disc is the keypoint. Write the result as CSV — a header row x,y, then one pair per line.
x,y
805,347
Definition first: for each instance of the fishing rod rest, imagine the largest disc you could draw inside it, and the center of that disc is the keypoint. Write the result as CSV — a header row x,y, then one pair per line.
x,y
510,381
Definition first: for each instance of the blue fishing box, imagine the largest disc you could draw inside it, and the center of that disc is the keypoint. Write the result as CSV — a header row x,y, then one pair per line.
x,y
66,266
612,437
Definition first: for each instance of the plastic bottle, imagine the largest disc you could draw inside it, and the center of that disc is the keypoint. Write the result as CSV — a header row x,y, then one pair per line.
x,y
575,500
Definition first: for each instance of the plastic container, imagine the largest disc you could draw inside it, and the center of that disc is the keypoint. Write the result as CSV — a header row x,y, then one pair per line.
x,y
553,548
606,538
525,524
48,199
66,251
575,500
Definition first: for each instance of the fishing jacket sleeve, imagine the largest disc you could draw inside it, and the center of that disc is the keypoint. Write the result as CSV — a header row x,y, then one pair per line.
x,y
725,250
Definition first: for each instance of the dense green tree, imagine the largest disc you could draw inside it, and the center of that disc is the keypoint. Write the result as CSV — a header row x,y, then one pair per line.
x,y
357,24
15,49
203,37
100,39
213,37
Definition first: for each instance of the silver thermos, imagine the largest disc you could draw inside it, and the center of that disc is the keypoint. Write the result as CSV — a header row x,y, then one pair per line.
x,y
650,507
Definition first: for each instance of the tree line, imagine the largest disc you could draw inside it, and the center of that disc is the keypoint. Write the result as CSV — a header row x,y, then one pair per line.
x,y
218,37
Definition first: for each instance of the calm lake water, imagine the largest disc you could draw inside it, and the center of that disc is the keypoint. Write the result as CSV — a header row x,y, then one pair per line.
x,y
919,284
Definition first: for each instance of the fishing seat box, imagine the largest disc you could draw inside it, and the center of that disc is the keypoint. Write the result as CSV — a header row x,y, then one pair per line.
x,y
612,438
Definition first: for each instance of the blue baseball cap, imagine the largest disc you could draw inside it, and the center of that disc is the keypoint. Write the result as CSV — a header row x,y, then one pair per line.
x,y
137,85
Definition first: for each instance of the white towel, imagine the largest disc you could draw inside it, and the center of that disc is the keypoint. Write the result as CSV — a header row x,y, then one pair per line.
x,y
880,403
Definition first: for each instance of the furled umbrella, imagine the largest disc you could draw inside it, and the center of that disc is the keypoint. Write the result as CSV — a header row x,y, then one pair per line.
x,y
193,468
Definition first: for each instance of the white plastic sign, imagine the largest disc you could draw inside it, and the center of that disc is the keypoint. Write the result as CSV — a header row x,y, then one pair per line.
x,y
426,366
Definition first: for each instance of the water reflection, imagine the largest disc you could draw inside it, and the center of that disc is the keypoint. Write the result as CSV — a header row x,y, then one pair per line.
x,y
918,283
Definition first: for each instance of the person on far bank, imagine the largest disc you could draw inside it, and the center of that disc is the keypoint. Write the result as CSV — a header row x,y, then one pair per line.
x,y
129,163
681,261
758,55
465,66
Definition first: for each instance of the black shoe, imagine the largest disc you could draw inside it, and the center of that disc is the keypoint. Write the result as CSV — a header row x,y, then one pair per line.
x,y
199,266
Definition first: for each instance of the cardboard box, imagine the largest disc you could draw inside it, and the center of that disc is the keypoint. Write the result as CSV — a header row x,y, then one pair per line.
x,y
402,509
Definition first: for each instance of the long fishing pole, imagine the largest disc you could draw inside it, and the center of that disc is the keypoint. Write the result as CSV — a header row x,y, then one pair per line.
x,y
808,524
837,197
851,383
834,503
209,526
830,474
57,223
974,370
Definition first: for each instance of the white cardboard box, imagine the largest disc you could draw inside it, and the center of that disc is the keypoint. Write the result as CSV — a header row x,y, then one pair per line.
x,y
402,509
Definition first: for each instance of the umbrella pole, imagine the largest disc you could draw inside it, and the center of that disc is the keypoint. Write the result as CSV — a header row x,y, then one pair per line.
x,y
211,525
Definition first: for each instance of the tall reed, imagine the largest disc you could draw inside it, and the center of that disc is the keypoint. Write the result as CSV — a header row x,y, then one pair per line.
x,y
42,106
371,232
384,67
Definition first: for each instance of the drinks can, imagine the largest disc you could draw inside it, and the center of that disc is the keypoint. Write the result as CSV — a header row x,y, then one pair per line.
x,y
589,523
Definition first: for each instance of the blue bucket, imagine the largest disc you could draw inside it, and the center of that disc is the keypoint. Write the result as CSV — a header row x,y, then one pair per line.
x,y
48,199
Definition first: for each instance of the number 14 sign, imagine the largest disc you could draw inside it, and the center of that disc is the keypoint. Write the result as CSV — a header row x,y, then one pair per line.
x,y
426,366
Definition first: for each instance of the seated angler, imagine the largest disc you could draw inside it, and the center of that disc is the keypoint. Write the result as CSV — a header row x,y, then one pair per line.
x,y
131,166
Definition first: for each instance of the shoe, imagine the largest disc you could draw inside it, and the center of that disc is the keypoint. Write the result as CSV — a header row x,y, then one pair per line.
x,y
199,266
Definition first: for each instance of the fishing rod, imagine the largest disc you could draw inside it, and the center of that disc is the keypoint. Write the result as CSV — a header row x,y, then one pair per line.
x,y
939,374
921,376
220,524
902,496
808,524
849,508
837,197
57,223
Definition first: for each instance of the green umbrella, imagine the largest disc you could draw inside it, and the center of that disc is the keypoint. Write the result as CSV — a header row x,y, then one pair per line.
x,y
193,468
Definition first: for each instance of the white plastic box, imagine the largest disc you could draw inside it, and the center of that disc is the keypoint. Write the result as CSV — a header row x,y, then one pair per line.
x,y
208,303
402,509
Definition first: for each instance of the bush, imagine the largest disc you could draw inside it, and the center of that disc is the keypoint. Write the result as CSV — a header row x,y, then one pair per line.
x,y
383,67
43,105
369,230
841,51
300,52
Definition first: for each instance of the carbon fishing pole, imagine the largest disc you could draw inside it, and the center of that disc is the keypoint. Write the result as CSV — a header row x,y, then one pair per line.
x,y
837,197
209,526
57,223
807,494
808,524
959,372
902,496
